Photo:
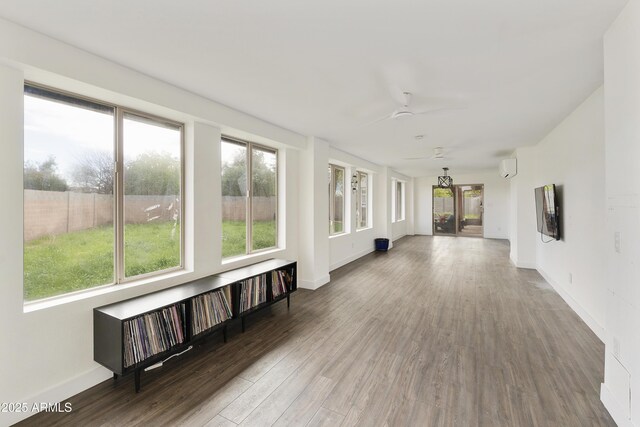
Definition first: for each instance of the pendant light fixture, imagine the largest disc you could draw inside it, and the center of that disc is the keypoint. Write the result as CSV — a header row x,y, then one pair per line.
x,y
445,181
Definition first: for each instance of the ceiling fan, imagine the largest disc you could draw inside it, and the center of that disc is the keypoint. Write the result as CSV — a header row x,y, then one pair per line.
x,y
405,110
438,154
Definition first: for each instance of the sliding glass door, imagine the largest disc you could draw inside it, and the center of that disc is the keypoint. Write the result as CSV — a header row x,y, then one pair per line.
x,y
471,210
444,211
458,211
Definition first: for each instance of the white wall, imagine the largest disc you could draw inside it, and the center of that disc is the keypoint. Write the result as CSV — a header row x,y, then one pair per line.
x,y
572,158
51,353
406,226
354,244
621,389
523,213
313,233
496,202
382,205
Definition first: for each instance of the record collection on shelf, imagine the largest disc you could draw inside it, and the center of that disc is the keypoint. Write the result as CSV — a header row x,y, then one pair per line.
x,y
280,282
211,309
253,292
153,333
136,334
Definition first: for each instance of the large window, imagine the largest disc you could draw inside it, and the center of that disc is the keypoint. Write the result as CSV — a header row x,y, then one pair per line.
x,y
398,200
249,198
336,200
151,184
362,200
92,217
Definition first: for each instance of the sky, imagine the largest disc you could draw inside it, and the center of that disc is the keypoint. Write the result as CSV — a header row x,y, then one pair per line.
x,y
67,133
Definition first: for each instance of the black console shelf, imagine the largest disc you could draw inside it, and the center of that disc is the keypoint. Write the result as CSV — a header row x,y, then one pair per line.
x,y
131,335
256,270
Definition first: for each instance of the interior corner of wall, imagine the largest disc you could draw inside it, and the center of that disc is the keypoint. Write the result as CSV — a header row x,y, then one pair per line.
x,y
513,259
314,284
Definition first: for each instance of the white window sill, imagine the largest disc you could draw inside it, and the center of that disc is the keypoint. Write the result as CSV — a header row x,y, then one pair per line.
x,y
364,229
169,278
333,236
172,278
231,261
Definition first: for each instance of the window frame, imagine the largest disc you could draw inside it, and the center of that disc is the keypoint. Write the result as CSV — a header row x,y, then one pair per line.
x,y
249,196
362,176
119,112
400,201
332,196
119,181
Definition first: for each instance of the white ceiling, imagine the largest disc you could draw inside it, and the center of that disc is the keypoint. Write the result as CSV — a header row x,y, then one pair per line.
x,y
514,68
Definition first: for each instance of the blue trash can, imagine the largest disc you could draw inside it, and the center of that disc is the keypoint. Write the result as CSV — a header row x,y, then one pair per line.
x,y
382,245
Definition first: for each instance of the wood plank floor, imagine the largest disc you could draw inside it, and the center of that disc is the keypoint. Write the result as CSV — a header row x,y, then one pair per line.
x,y
439,331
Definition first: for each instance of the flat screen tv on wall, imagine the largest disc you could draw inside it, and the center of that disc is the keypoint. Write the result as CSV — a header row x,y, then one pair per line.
x,y
547,211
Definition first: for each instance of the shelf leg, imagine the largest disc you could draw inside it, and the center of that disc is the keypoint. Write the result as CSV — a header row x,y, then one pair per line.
x,y
288,301
224,333
137,379
243,325
115,376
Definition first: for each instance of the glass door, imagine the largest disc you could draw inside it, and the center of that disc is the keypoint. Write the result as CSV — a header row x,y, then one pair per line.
x,y
444,211
458,211
471,221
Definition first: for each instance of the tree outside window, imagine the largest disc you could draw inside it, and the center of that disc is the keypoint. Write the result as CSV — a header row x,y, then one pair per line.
x,y
249,198
82,228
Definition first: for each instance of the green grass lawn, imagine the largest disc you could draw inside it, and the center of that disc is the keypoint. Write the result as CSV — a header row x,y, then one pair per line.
x,y
234,236
151,247
69,262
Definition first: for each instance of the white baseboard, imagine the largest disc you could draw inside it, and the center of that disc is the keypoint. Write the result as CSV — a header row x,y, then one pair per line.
x,y
314,284
527,265
575,306
615,410
59,393
398,237
351,258
496,236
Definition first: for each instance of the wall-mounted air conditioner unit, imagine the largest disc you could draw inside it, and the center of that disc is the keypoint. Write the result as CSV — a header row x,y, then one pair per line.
x,y
508,168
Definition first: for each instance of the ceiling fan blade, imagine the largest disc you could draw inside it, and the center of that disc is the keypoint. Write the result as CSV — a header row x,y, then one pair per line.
x,y
438,110
427,158
368,109
386,117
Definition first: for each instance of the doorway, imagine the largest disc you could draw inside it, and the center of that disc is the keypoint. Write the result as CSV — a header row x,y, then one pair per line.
x,y
444,211
459,210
